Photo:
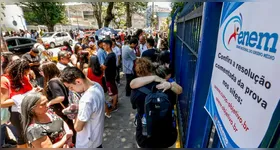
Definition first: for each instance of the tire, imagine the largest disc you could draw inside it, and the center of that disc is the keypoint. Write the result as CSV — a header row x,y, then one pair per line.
x,y
52,45
71,42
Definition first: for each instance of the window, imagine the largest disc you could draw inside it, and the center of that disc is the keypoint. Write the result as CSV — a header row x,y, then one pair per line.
x,y
58,35
11,43
24,41
64,34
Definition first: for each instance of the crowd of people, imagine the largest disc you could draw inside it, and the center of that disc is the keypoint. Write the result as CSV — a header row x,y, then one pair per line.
x,y
63,103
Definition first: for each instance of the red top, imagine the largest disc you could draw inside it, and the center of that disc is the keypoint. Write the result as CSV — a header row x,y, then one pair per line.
x,y
27,86
122,37
93,77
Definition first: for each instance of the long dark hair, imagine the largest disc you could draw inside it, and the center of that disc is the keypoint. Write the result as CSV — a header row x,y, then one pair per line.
x,y
95,65
15,70
50,71
65,43
27,115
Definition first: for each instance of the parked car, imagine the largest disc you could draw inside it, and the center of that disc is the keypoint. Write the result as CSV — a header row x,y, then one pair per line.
x,y
19,45
53,39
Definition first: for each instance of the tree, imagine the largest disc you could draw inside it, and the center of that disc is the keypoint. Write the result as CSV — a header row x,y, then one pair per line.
x,y
175,5
97,12
119,19
109,14
134,7
44,13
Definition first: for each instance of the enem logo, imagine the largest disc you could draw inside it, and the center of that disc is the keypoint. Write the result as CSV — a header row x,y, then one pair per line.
x,y
234,35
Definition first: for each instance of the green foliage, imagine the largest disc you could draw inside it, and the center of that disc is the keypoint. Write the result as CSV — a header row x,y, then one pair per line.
x,y
175,5
44,13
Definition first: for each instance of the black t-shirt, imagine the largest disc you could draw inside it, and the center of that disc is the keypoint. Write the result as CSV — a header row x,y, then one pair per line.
x,y
110,63
164,138
56,88
164,56
150,54
32,59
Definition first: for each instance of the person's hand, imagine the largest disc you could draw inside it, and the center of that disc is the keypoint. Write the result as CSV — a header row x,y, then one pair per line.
x,y
38,89
59,98
164,86
158,79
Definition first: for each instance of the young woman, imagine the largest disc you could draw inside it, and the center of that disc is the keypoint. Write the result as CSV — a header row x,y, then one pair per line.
x,y
74,57
144,68
14,82
41,128
94,72
67,47
56,92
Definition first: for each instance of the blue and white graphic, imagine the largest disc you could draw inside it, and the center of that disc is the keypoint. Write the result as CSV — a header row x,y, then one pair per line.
x,y
243,98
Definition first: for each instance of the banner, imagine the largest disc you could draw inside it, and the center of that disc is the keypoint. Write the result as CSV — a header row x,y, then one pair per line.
x,y
245,86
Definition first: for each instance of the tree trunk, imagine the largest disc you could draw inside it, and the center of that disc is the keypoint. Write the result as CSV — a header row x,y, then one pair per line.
x,y
50,28
128,15
97,12
109,15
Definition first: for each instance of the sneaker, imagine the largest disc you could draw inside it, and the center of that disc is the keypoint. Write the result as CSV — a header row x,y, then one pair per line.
x,y
108,116
115,109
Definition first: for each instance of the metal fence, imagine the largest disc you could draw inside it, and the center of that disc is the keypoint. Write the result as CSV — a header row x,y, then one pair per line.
x,y
186,45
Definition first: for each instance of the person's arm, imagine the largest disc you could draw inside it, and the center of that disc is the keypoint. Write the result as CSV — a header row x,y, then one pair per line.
x,y
45,142
86,109
69,132
57,92
142,81
5,101
176,88
172,86
132,55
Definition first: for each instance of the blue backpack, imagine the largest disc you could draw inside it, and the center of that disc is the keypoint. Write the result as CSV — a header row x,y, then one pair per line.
x,y
158,111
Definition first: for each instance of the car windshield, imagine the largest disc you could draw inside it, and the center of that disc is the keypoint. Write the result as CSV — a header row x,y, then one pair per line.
x,y
47,34
88,32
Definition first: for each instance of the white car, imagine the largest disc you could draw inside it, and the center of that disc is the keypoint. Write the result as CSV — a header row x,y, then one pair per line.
x,y
53,39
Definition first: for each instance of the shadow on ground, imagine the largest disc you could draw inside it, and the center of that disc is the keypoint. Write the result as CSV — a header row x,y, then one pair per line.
x,y
119,130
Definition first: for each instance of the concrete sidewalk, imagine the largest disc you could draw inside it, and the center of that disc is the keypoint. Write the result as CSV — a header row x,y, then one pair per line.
x,y
119,130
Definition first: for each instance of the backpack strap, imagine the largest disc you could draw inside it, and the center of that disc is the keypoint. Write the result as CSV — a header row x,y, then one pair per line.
x,y
145,90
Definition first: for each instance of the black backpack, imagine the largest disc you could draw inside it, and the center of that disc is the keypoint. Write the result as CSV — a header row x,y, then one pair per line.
x,y
158,111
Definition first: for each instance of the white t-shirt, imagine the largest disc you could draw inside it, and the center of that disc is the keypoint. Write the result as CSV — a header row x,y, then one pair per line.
x,y
91,111
81,34
61,66
117,51
143,48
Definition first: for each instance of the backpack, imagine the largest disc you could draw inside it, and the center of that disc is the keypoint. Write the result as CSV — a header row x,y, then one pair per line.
x,y
157,109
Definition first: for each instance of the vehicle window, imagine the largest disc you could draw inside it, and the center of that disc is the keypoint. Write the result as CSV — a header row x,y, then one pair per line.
x,y
11,43
64,34
58,35
47,34
24,41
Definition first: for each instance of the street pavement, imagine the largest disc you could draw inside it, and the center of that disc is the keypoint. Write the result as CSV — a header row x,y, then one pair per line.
x,y
119,130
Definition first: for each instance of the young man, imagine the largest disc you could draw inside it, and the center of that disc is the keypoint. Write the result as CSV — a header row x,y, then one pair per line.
x,y
117,51
34,61
128,57
89,123
101,53
151,53
110,68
